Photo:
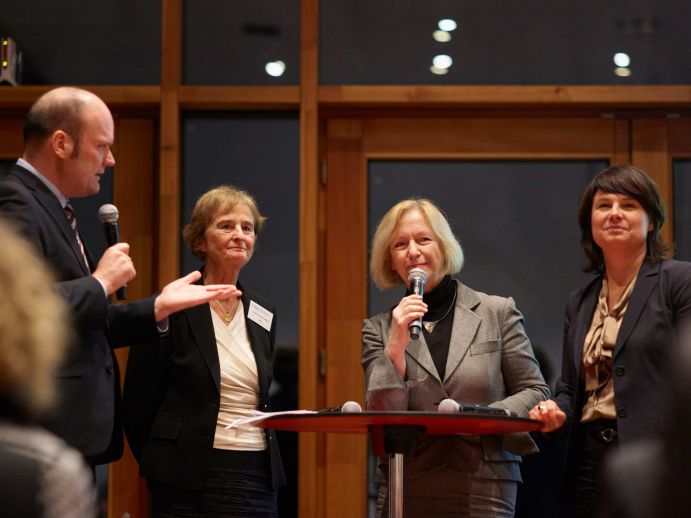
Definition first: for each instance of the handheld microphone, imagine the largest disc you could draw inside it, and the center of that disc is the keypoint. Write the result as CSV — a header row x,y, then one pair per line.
x,y
108,215
417,278
449,406
348,407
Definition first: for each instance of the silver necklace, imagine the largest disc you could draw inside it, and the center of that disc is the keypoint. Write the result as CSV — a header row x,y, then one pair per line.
x,y
431,324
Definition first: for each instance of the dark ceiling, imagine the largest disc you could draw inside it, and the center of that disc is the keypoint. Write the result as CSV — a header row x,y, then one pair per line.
x,y
361,41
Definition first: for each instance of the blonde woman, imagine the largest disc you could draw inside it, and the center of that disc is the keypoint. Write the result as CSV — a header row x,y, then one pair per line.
x,y
472,348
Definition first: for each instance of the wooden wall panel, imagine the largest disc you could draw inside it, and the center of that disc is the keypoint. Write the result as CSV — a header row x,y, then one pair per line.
x,y
622,141
133,194
486,138
650,153
11,142
346,306
679,137
311,465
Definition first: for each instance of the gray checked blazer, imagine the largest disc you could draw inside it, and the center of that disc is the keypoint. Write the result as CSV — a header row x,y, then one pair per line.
x,y
490,363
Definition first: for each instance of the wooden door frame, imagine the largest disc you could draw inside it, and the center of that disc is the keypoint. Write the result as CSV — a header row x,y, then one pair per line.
x,y
655,143
134,194
350,143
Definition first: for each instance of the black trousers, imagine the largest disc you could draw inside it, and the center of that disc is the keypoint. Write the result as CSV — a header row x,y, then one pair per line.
x,y
597,439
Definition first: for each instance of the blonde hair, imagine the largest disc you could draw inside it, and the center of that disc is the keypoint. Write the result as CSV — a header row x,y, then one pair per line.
x,y
33,326
381,270
213,202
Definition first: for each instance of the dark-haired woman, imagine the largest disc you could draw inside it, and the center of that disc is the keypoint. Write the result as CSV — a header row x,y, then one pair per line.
x,y
619,331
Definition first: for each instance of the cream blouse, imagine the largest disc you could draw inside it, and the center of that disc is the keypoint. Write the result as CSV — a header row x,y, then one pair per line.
x,y
239,385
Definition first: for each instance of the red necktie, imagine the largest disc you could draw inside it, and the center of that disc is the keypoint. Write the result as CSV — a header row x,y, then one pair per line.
x,y
72,220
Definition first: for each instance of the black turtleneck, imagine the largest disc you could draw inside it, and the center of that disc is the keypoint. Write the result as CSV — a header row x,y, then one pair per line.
x,y
439,309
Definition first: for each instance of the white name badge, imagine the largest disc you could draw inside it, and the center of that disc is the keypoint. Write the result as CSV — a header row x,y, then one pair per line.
x,y
260,315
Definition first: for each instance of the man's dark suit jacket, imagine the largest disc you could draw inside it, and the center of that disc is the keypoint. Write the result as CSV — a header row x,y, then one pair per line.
x,y
172,397
87,415
644,351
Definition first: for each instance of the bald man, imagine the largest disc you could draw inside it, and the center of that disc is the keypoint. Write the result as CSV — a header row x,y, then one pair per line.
x,y
68,134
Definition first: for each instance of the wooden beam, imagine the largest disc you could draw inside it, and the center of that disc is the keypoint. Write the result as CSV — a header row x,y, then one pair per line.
x,y
375,96
310,466
22,97
346,307
491,96
239,97
168,215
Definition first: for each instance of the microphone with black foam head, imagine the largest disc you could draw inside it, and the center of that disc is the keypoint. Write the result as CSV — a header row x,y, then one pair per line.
x,y
416,278
449,406
348,407
108,214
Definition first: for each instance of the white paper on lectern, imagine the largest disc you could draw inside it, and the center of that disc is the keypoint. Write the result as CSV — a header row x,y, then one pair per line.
x,y
258,416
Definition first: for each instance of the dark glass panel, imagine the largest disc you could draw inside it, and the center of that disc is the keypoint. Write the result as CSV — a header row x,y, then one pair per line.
x,y
85,42
260,154
229,42
516,42
516,222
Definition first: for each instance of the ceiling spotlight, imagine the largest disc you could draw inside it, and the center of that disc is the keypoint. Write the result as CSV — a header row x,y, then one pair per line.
x,y
622,71
622,59
442,61
275,68
447,24
441,36
438,71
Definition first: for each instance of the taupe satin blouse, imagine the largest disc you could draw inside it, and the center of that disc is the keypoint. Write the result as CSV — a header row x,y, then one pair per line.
x,y
598,350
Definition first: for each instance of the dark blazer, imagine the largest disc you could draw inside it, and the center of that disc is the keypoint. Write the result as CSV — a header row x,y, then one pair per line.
x,y
645,347
87,415
172,397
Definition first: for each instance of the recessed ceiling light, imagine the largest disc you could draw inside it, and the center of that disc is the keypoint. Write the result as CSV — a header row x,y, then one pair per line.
x,y
438,71
447,24
442,61
622,59
441,36
622,71
275,68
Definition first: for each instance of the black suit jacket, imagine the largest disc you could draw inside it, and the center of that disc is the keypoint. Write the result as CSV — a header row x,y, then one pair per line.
x,y
87,415
172,397
644,351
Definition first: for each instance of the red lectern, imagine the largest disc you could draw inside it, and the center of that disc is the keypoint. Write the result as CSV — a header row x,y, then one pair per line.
x,y
394,432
